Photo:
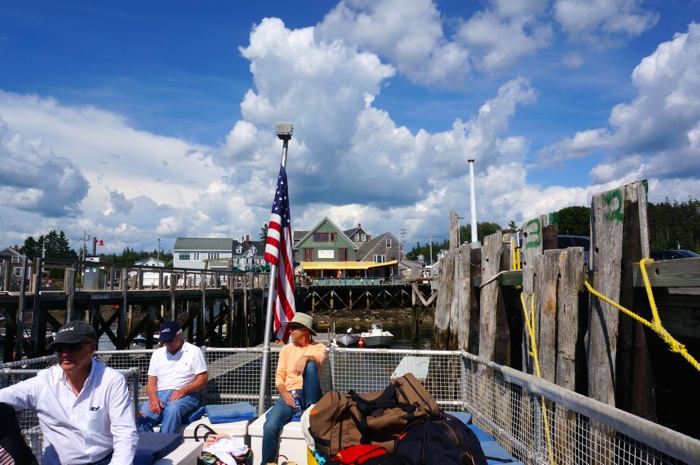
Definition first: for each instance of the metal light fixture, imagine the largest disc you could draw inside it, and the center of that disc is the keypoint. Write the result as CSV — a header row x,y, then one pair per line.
x,y
284,130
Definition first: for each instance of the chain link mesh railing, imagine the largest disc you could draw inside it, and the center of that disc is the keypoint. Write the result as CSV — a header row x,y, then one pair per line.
x,y
564,428
541,423
15,372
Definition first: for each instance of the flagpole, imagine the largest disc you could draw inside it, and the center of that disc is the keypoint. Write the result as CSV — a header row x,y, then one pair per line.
x,y
284,132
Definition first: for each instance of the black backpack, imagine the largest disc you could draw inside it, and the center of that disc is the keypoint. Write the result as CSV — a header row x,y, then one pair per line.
x,y
439,440
390,458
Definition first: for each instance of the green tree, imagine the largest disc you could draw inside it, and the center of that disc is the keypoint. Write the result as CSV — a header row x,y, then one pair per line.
x,y
31,248
129,256
53,245
482,230
263,232
674,225
575,221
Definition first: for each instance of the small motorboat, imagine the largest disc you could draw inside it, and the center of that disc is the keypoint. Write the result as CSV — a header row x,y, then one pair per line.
x,y
347,339
376,336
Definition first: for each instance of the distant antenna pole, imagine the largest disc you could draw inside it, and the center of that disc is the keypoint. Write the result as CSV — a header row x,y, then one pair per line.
x,y
473,199
85,238
431,248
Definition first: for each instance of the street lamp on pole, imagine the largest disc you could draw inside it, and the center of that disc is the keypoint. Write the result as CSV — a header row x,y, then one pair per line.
x,y
158,249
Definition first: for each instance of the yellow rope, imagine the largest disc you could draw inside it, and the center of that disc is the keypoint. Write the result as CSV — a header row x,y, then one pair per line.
x,y
530,323
655,324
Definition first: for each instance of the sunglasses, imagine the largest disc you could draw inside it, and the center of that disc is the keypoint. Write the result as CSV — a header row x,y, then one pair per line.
x,y
74,347
293,327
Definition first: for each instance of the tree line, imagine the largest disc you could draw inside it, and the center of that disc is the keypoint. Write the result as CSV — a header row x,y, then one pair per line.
x,y
672,225
56,245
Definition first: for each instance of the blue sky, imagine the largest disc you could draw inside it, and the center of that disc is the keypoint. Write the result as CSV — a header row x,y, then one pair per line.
x,y
138,121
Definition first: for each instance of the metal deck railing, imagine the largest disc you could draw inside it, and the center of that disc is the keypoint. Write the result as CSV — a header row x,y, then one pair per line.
x,y
565,428
16,372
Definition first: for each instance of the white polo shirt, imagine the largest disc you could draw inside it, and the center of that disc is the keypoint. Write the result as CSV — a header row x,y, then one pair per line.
x,y
179,370
80,429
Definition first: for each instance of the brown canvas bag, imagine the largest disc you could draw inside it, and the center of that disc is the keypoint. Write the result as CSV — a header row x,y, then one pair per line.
x,y
340,420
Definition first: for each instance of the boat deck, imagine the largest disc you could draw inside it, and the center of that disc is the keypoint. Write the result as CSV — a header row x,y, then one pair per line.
x,y
528,418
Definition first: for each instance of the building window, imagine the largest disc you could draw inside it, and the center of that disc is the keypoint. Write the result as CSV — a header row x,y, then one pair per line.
x,y
363,238
213,255
388,242
184,255
380,259
308,255
17,271
343,255
15,259
195,255
325,237
239,250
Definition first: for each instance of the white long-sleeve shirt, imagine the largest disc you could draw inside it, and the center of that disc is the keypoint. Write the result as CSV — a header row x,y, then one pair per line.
x,y
80,429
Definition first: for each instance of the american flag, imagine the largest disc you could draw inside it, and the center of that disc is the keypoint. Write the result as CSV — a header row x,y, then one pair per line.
x,y
278,252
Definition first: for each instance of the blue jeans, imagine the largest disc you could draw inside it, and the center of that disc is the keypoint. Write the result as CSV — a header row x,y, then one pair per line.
x,y
170,418
280,414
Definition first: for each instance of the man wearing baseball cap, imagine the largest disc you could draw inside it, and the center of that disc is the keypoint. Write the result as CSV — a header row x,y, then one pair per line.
x,y
298,372
84,407
176,372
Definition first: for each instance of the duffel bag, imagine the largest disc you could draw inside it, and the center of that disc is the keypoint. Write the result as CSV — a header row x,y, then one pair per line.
x,y
440,440
331,423
338,421
409,390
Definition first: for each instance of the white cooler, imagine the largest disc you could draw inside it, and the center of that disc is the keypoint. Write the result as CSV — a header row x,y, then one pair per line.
x,y
292,442
237,429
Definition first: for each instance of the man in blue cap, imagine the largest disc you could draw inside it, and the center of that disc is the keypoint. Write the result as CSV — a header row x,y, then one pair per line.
x,y
176,372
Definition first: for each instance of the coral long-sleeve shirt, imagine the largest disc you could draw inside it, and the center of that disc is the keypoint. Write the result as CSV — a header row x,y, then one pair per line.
x,y
289,356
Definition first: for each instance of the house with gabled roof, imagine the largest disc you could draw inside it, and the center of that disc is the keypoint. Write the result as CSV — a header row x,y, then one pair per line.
x,y
328,251
203,252
381,249
219,253
150,262
248,254
11,267
357,235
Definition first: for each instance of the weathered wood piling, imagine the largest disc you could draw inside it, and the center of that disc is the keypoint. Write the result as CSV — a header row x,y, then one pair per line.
x,y
487,306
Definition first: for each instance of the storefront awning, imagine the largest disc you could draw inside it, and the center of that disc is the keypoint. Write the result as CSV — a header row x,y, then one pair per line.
x,y
345,265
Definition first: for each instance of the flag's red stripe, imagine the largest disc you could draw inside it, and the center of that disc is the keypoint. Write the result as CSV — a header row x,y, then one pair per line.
x,y
278,252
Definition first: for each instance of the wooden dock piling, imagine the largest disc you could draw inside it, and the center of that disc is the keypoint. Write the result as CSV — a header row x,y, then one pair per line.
x,y
582,342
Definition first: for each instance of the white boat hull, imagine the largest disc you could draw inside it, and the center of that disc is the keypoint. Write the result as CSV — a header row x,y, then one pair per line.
x,y
374,340
347,339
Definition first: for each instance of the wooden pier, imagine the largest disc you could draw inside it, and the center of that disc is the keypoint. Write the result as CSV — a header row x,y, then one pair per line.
x,y
215,308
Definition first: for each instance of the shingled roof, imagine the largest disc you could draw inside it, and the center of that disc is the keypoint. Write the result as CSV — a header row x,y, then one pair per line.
x,y
204,243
